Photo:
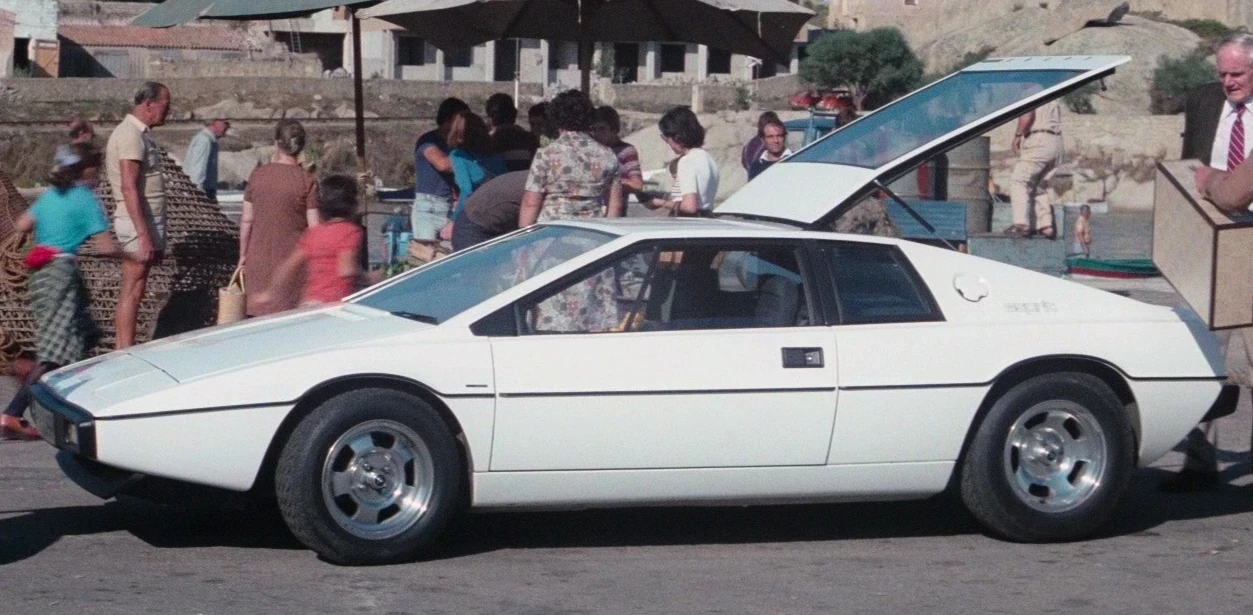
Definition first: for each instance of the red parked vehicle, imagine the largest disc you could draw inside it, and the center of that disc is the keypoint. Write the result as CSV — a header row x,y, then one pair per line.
x,y
820,99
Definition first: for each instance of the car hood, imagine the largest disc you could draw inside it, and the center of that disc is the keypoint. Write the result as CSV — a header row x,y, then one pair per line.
x,y
229,347
821,181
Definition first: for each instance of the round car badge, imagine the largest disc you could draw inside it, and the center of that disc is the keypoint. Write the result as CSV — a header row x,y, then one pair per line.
x,y
971,287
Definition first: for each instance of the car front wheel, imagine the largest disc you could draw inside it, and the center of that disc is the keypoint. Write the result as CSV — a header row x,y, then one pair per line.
x,y
369,477
1051,459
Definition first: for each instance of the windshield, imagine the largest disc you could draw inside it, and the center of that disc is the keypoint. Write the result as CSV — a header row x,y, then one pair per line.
x,y
452,285
926,115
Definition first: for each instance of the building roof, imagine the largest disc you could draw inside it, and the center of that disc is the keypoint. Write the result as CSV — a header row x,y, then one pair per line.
x,y
218,38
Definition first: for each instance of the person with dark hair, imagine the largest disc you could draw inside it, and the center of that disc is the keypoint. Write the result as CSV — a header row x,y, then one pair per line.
x,y
280,202
472,160
774,135
755,146
133,164
537,118
695,172
491,211
433,192
81,131
327,250
63,218
574,176
605,128
515,145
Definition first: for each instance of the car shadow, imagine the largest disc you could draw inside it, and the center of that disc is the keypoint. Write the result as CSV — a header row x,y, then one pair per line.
x,y
1144,509
28,533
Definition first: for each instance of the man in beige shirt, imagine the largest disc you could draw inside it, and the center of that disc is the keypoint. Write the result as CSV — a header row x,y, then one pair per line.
x,y
133,163
1038,144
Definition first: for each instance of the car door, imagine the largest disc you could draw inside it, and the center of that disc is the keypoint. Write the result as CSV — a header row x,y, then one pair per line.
x,y
899,399
680,354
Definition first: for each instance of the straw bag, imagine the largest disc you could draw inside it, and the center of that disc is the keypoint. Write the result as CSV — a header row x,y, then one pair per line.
x,y
233,299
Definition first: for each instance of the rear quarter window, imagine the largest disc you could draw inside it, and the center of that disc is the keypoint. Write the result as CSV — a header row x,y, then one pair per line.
x,y
876,284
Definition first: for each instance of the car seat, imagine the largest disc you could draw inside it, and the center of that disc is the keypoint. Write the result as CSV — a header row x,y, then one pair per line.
x,y
778,300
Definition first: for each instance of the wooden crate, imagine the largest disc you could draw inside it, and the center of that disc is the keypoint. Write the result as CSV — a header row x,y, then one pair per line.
x,y
1204,252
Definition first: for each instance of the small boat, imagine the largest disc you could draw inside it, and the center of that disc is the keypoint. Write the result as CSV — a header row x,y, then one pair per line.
x,y
1122,268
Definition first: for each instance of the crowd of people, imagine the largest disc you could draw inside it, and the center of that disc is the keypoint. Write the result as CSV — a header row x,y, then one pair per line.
x,y
476,177
299,238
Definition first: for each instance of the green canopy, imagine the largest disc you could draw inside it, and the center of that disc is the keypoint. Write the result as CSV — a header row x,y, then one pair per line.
x,y
175,12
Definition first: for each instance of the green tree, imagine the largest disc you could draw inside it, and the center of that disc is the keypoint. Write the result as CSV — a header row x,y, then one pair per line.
x,y
877,65
1174,78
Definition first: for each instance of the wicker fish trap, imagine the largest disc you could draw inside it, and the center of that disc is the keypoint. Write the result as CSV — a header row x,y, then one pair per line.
x,y
202,248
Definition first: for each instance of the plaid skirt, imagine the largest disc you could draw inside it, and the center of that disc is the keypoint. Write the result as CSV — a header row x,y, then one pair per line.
x,y
64,330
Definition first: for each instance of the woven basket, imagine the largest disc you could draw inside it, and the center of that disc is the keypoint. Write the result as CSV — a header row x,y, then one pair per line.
x,y
201,252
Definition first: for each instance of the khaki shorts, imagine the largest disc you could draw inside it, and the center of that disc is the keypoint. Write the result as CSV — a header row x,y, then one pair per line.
x,y
128,237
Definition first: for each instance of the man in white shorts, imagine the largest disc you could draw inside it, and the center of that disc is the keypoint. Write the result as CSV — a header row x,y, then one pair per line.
x,y
133,163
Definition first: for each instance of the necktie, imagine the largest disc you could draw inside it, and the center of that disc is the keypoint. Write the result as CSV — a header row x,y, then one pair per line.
x,y
1235,149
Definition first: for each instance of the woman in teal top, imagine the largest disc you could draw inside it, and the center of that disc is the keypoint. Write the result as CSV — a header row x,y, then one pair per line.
x,y
473,161
65,217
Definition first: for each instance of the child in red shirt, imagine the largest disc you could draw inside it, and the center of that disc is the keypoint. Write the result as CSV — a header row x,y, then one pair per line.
x,y
329,251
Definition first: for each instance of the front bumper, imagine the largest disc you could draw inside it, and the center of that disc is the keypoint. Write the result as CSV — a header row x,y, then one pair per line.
x,y
62,424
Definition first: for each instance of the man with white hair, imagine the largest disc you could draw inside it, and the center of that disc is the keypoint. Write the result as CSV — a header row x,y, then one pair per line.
x,y
201,161
1226,126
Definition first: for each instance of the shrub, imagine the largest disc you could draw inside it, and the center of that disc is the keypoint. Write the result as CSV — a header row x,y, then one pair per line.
x,y
877,65
1174,78
1080,100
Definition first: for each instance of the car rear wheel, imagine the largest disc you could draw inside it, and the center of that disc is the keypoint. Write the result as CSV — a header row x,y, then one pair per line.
x,y
1050,460
369,477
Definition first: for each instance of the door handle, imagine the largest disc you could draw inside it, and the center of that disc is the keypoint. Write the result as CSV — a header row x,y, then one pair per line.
x,y
802,357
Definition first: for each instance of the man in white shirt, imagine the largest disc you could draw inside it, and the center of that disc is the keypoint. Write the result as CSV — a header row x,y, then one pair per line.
x,y
695,171
1232,141
201,161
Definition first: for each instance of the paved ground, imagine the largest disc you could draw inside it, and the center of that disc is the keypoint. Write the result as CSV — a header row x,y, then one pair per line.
x,y
63,551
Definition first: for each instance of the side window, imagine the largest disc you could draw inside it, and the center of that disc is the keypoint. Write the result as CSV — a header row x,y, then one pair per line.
x,y
679,288
874,283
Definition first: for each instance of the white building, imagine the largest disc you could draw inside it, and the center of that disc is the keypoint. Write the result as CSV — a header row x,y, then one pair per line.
x,y
390,52
34,51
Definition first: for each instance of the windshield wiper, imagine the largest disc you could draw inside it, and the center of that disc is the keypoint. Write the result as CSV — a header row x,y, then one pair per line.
x,y
430,320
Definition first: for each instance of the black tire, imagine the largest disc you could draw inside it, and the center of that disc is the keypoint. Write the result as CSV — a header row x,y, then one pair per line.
x,y
369,477
1051,459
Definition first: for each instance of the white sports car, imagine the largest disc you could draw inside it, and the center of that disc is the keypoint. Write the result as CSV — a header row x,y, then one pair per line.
x,y
746,358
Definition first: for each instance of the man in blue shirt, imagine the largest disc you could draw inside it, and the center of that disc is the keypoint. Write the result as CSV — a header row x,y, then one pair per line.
x,y
201,161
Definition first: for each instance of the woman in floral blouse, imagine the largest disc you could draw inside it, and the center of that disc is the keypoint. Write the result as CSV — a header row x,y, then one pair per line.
x,y
571,176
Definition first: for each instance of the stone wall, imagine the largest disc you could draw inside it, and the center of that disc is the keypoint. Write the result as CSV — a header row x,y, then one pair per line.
x,y
32,99
191,66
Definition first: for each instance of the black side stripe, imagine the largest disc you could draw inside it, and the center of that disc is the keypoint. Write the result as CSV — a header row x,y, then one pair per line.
x,y
972,385
163,413
663,392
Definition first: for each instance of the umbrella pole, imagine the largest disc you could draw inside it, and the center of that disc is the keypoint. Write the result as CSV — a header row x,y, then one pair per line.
x,y
358,94
363,165
585,66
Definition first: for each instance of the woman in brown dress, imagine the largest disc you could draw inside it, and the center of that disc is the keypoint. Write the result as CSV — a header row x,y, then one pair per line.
x,y
280,202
